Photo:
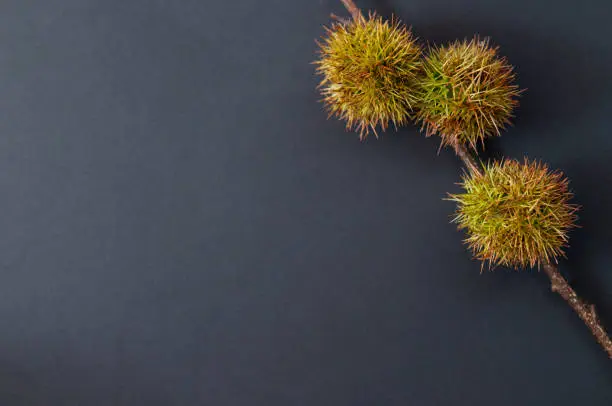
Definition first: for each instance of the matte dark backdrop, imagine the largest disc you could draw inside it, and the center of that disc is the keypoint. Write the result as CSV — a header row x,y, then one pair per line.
x,y
181,225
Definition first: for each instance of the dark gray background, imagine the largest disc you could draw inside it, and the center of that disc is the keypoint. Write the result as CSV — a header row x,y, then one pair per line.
x,y
181,225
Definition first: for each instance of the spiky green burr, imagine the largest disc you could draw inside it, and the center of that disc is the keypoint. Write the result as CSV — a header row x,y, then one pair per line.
x,y
466,92
516,214
369,68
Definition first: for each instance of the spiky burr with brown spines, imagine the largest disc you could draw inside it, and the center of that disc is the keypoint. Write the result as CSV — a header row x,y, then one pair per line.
x,y
369,68
466,92
519,215
540,208
516,214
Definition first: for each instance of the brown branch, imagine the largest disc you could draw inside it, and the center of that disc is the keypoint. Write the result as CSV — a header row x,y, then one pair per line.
x,y
467,158
558,283
585,311
353,9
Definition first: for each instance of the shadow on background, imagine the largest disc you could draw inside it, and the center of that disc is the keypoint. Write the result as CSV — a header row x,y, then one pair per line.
x,y
564,82
590,257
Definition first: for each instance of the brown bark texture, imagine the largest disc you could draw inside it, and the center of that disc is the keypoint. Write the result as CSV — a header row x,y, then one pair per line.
x,y
585,311
559,285
467,158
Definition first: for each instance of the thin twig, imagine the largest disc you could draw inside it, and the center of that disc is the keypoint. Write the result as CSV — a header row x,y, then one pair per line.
x,y
558,283
585,311
353,9
467,158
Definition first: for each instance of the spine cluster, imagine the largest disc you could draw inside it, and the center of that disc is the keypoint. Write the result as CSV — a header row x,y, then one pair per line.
x,y
515,213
